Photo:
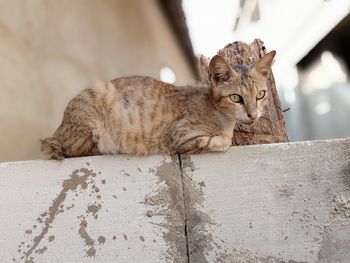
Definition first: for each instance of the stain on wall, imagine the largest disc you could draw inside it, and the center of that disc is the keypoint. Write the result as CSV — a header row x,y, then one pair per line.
x,y
80,180
168,202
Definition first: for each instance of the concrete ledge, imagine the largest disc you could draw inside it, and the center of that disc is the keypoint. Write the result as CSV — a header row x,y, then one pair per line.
x,y
267,203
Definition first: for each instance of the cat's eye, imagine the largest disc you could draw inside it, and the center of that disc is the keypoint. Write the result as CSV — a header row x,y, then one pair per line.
x,y
236,98
261,94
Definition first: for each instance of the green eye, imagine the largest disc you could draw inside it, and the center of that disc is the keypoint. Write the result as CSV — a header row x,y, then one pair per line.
x,y
236,98
261,94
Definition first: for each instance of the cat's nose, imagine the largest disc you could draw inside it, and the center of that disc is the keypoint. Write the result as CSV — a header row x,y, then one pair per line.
x,y
253,115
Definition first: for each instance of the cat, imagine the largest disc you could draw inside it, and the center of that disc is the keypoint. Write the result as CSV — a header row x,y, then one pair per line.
x,y
143,116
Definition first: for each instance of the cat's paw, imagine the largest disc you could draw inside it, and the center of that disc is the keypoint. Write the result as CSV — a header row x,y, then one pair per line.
x,y
220,143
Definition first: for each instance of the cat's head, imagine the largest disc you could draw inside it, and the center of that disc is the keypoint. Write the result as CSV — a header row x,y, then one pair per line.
x,y
240,90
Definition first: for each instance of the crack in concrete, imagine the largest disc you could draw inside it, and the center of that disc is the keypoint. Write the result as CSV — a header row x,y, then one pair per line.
x,y
200,226
199,240
167,203
185,210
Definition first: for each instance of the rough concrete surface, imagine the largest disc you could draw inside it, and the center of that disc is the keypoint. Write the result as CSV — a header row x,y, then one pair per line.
x,y
274,203
265,203
90,210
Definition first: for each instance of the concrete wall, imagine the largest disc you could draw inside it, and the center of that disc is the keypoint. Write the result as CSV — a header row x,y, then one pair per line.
x,y
273,203
50,50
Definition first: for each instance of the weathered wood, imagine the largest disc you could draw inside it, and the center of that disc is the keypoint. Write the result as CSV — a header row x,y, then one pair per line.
x,y
270,203
97,209
271,127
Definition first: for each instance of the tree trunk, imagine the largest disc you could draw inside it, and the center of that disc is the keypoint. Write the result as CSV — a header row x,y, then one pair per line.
x,y
270,128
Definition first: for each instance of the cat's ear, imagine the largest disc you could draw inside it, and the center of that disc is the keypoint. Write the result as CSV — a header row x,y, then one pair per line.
x,y
220,70
203,69
263,65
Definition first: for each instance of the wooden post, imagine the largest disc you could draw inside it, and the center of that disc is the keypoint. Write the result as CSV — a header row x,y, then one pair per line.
x,y
271,127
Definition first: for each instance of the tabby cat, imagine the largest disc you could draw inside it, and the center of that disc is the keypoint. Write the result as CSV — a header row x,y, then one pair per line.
x,y
141,115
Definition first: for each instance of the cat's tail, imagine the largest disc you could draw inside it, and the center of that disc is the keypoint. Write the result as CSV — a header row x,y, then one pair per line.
x,y
53,148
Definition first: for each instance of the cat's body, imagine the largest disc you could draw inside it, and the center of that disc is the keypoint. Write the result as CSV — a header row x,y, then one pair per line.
x,y
141,115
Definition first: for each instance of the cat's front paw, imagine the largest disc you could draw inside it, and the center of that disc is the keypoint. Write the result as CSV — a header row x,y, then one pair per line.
x,y
220,143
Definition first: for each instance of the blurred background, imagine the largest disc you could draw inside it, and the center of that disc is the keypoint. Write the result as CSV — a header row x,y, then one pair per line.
x,y
50,50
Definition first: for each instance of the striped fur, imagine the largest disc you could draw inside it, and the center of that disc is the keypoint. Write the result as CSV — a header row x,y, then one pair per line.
x,y
141,115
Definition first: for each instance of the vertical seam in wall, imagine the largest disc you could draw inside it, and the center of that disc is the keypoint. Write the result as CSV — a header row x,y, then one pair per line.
x,y
185,209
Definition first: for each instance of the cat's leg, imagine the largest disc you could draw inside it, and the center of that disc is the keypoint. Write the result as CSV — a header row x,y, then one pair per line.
x,y
198,143
96,142
219,143
104,141
79,139
78,144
